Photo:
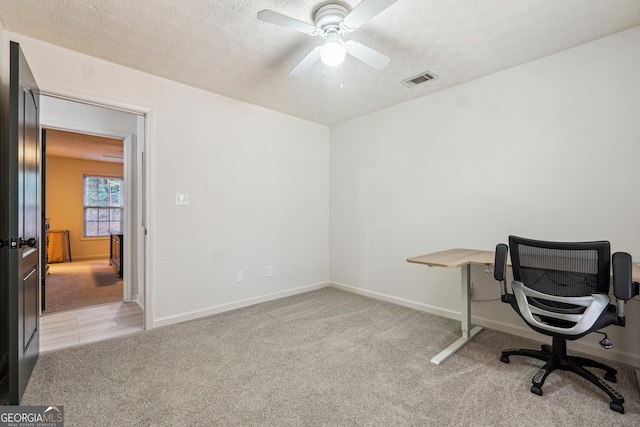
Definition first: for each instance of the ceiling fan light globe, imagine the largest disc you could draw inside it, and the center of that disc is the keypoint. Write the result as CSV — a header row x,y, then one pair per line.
x,y
332,53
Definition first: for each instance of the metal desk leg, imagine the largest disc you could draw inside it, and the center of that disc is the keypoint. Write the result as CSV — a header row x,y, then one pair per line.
x,y
467,332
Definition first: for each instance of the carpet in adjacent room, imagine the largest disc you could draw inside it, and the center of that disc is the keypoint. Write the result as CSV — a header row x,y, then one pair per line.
x,y
76,284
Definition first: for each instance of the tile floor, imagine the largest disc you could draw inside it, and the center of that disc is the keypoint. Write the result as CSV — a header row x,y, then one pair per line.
x,y
89,324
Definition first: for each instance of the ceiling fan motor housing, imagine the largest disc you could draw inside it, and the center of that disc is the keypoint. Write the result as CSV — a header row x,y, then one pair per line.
x,y
329,17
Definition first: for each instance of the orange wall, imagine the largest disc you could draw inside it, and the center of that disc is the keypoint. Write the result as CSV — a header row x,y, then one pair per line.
x,y
64,203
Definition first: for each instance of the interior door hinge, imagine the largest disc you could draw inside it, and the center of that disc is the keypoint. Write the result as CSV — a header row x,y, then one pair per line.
x,y
11,244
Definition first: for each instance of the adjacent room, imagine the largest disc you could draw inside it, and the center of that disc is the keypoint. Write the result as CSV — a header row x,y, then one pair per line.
x,y
278,197
84,211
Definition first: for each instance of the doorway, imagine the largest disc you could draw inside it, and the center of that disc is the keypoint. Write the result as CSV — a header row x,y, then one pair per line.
x,y
84,207
95,145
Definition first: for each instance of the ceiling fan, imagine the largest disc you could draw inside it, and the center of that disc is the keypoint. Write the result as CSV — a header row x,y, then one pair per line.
x,y
331,21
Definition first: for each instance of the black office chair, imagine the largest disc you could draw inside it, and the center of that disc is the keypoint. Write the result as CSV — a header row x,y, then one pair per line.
x,y
561,290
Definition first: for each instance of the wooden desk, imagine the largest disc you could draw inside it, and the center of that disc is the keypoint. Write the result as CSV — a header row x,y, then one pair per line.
x,y
454,258
464,259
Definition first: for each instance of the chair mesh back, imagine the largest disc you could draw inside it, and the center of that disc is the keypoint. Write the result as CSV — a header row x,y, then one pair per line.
x,y
562,269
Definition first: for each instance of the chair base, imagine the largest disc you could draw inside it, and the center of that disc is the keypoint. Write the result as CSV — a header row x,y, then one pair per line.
x,y
556,358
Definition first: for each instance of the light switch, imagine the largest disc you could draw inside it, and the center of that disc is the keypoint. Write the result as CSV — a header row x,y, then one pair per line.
x,y
182,199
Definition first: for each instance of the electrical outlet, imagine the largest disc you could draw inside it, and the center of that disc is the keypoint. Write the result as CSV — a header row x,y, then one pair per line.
x,y
269,272
239,276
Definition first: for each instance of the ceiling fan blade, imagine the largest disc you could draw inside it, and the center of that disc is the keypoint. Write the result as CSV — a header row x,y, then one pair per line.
x,y
367,55
365,11
286,21
306,62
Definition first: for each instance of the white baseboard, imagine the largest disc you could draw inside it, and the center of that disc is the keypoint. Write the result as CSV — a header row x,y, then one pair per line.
x,y
170,320
88,257
518,330
400,301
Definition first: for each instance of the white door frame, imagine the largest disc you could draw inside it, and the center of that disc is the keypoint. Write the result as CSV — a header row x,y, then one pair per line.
x,y
137,174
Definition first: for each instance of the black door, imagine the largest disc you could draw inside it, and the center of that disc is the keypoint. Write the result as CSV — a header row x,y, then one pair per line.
x,y
45,228
20,220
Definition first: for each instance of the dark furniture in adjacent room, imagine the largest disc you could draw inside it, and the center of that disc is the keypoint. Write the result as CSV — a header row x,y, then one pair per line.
x,y
561,290
115,251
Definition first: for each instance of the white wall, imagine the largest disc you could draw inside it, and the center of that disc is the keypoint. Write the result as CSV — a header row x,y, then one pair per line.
x,y
258,183
547,150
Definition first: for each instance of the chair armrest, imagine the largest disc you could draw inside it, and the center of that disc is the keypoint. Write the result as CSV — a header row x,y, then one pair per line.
x,y
623,286
500,269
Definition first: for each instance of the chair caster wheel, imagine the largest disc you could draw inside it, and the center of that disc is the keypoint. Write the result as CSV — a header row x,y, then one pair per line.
x,y
538,390
617,407
610,377
504,359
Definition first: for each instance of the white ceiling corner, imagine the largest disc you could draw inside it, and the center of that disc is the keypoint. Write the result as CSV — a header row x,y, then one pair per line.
x,y
221,46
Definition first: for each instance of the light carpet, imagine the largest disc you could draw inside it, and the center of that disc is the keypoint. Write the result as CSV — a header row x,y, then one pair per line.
x,y
83,283
326,357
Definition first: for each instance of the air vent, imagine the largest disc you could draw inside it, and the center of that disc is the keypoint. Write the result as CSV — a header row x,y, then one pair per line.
x,y
419,79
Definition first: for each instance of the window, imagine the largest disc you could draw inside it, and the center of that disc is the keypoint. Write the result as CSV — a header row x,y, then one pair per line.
x,y
103,205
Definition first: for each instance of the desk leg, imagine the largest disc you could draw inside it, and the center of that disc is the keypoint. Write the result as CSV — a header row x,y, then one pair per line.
x,y
465,295
465,320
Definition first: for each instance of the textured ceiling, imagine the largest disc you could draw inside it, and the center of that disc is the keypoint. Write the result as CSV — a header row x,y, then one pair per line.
x,y
86,147
220,45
